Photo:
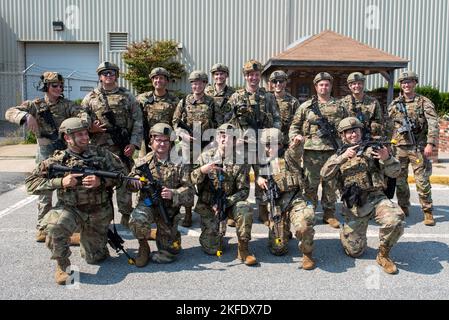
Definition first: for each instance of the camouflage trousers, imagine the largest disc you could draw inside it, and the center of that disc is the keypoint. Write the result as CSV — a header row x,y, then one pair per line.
x,y
210,238
124,197
168,238
302,216
385,212
44,201
92,221
422,170
313,162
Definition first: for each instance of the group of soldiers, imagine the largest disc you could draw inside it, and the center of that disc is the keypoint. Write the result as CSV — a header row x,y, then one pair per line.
x,y
291,149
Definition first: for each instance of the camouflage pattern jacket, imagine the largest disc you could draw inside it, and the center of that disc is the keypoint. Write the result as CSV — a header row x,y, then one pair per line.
x,y
126,111
190,110
236,180
304,123
287,108
422,115
60,111
170,175
243,104
95,157
157,109
224,111
368,111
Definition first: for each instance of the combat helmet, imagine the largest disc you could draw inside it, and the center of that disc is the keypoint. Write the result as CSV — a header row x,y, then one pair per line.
x,y
252,65
72,125
198,75
270,135
219,67
159,71
278,75
322,76
408,75
161,129
225,127
106,65
355,76
349,123
51,77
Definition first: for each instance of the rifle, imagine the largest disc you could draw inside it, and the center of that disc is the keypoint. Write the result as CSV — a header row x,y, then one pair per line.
x,y
352,195
56,141
407,126
326,129
221,203
57,170
366,131
116,242
120,136
183,125
271,194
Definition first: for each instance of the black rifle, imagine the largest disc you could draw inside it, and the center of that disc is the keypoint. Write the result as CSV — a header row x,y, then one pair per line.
x,y
120,136
183,125
366,131
221,203
271,195
56,170
407,126
352,195
326,129
116,242
56,141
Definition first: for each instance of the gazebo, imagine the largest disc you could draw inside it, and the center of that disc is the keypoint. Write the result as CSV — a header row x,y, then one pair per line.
x,y
334,53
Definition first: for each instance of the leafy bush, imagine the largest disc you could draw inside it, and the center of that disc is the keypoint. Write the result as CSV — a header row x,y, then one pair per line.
x,y
30,138
431,93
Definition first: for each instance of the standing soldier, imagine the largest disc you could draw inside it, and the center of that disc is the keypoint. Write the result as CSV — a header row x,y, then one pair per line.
x,y
84,202
254,109
193,116
43,117
221,92
157,106
415,131
360,169
223,189
315,124
116,124
363,107
171,183
281,179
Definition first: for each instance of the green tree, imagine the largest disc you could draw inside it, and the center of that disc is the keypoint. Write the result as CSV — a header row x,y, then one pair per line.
x,y
142,57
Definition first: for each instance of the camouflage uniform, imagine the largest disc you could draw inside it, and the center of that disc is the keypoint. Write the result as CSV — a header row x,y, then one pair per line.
x,y
128,116
156,109
223,111
47,135
78,207
317,150
421,112
366,173
172,176
236,187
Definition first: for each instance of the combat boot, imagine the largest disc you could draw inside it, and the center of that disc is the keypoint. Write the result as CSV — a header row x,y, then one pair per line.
x,y
329,218
143,255
428,218
187,222
307,261
263,214
124,221
61,275
40,236
75,239
244,255
405,210
383,259
231,222
152,234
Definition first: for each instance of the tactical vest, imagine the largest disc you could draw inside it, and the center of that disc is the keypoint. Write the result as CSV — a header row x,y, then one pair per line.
x,y
286,112
285,180
245,111
158,109
118,104
46,114
202,112
331,110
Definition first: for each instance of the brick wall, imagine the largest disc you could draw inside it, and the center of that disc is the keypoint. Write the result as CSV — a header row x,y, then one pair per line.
x,y
443,145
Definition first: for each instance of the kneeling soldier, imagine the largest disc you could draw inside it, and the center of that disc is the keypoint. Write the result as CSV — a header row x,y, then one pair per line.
x,y
164,187
360,169
223,188
84,202
281,180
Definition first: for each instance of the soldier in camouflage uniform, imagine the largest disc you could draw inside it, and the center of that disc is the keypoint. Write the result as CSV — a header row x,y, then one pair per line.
x,y
43,116
157,106
414,145
107,104
254,109
318,147
221,93
284,168
363,107
361,173
84,203
197,112
217,168
176,191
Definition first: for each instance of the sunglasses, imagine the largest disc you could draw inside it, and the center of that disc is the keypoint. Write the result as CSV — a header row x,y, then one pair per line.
x,y
55,85
108,73
277,81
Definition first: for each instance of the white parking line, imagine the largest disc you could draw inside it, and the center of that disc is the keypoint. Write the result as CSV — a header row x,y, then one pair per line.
x,y
18,205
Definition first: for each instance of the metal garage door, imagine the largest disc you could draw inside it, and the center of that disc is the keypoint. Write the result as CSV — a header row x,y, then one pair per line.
x,y
76,62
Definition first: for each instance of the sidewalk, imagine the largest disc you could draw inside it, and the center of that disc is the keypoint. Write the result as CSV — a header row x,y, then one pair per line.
x,y
20,158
